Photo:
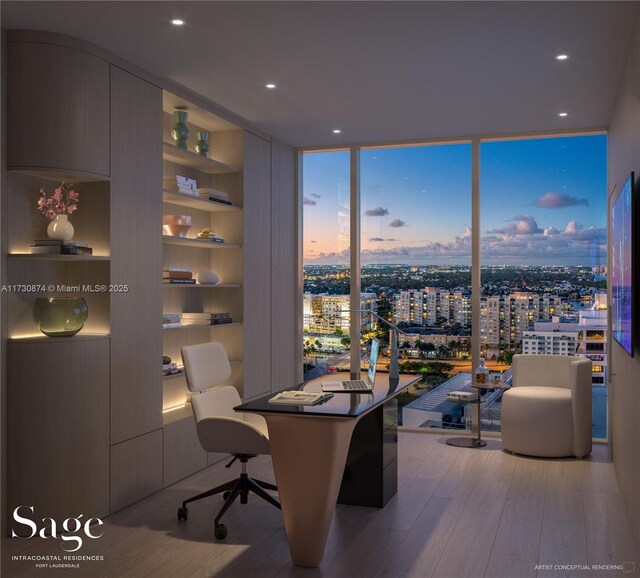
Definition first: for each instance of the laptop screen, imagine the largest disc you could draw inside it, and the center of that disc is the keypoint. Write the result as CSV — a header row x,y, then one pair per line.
x,y
373,361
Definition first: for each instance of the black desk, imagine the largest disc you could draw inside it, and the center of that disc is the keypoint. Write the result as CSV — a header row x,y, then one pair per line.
x,y
310,447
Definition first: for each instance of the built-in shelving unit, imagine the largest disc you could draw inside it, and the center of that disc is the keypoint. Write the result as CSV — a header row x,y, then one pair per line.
x,y
73,338
185,200
195,161
221,170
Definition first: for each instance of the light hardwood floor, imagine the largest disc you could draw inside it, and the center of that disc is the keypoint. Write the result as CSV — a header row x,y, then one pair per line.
x,y
458,512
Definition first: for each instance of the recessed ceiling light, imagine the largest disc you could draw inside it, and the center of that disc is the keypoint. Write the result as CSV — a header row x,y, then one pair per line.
x,y
563,114
270,85
562,57
336,131
177,22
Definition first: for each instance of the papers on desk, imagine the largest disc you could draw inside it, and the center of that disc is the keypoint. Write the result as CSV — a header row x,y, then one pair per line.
x,y
300,397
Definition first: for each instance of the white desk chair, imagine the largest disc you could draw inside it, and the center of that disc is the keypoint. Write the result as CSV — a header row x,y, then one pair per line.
x,y
221,429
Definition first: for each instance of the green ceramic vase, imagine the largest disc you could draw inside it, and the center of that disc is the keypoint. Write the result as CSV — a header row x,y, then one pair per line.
x,y
60,316
180,132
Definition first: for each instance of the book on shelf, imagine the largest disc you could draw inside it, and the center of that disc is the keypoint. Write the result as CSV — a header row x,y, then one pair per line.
x,y
206,315
176,270
180,182
206,322
171,318
173,371
60,250
300,397
179,281
177,275
56,242
209,193
171,325
219,201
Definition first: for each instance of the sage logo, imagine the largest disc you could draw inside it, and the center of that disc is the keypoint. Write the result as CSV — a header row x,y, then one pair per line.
x,y
70,532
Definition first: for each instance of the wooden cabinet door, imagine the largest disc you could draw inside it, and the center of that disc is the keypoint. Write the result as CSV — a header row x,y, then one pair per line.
x,y
58,109
136,256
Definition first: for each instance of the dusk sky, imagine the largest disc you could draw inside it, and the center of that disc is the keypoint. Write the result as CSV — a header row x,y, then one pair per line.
x,y
543,202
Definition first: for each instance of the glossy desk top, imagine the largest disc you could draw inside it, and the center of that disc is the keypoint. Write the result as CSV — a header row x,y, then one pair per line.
x,y
341,404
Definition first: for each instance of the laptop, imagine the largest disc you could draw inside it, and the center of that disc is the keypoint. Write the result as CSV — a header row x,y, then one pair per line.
x,y
356,385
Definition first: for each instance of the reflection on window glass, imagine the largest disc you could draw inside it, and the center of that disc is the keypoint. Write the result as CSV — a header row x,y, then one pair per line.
x,y
326,226
543,255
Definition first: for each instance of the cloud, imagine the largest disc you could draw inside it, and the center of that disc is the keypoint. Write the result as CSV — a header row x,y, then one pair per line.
x,y
524,225
573,227
377,212
558,201
307,201
575,245
379,240
397,223
316,196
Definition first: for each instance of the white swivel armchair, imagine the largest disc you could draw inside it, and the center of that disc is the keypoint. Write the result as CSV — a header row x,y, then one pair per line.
x,y
547,411
221,429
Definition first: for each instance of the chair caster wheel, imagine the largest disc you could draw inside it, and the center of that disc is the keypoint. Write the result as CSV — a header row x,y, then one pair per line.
x,y
225,495
220,532
183,513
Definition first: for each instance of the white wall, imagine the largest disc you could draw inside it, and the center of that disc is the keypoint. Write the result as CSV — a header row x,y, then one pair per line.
x,y
624,399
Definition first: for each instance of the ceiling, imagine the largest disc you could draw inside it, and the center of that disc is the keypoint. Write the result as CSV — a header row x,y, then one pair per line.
x,y
379,71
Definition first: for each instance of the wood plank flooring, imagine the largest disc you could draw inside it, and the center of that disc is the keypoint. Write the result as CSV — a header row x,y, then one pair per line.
x,y
458,513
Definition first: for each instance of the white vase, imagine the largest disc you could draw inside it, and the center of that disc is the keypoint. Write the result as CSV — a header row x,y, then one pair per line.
x,y
60,228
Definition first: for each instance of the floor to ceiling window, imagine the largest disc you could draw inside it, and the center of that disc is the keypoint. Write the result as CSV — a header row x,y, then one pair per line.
x,y
326,242
416,266
542,245
543,256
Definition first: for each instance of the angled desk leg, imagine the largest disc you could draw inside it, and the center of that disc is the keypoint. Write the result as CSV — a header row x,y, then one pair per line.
x,y
309,454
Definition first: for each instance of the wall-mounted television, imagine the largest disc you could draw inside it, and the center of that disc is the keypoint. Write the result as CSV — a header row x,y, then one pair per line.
x,y
622,267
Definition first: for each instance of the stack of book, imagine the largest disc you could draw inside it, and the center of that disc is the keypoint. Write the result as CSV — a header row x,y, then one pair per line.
x,y
177,276
214,196
60,247
171,368
171,320
179,184
206,318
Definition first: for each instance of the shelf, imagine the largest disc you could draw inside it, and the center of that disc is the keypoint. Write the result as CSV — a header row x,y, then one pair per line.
x,y
196,203
45,257
66,175
45,339
203,285
232,363
177,414
207,327
201,163
200,243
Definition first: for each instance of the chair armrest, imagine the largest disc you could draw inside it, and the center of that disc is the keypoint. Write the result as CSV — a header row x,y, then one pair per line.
x,y
233,436
581,405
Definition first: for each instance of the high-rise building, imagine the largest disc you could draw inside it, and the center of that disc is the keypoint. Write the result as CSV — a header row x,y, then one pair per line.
x,y
325,313
586,337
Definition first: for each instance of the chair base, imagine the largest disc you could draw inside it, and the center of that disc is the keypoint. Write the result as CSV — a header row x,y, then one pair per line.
x,y
239,487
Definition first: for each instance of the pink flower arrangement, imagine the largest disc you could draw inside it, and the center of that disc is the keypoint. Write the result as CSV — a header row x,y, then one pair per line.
x,y
64,201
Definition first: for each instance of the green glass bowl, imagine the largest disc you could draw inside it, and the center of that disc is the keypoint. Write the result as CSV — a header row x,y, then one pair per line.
x,y
60,316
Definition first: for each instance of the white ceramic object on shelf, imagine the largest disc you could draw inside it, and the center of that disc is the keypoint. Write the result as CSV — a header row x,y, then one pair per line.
x,y
60,228
207,278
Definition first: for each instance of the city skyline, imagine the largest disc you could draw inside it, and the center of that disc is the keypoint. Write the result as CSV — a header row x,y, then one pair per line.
x,y
543,201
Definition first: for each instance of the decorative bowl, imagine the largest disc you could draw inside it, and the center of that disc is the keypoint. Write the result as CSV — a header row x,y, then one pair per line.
x,y
207,278
60,316
176,225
